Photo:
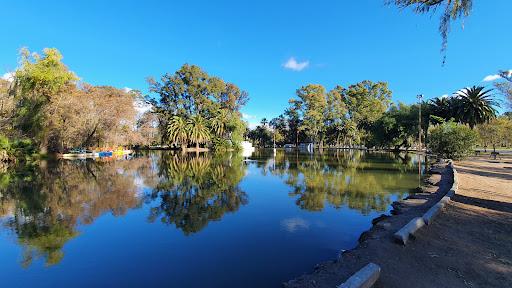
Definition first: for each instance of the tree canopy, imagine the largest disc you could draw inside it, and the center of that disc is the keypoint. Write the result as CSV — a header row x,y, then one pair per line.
x,y
335,117
209,106
46,104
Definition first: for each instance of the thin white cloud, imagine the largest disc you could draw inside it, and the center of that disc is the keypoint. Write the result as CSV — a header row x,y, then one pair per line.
x,y
494,77
127,90
9,76
490,78
248,116
292,64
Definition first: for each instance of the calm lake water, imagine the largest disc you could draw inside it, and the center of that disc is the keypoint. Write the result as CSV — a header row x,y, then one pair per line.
x,y
159,219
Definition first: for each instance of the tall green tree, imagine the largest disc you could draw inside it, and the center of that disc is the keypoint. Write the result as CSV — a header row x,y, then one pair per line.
x,y
335,112
339,115
38,84
366,102
294,120
260,136
279,129
190,92
397,128
314,104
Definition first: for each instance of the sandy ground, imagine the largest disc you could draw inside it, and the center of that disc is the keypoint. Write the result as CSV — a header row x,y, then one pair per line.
x,y
468,245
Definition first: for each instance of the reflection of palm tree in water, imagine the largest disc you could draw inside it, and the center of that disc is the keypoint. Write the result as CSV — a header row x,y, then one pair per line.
x,y
196,190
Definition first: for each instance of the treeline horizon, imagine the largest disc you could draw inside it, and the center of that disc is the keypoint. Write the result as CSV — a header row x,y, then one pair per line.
x,y
46,108
363,114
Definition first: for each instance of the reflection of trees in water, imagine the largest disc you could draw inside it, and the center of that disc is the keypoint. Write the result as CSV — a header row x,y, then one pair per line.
x,y
196,190
359,180
43,205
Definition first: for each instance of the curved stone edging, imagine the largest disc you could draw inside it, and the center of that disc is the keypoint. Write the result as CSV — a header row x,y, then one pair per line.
x,y
429,216
364,278
402,235
369,274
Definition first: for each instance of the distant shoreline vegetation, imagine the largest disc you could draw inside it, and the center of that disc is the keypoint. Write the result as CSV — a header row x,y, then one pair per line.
x,y
363,115
45,108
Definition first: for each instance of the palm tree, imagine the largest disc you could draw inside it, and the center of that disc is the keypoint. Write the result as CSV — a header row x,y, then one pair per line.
x,y
264,122
198,132
476,105
440,107
219,122
177,130
445,107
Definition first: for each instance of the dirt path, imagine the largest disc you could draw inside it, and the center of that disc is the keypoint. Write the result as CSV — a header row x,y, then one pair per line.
x,y
468,245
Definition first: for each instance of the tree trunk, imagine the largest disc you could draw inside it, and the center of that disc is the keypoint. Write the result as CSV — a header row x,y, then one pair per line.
x,y
89,137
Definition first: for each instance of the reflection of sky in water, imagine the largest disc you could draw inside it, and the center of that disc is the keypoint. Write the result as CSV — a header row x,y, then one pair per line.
x,y
294,224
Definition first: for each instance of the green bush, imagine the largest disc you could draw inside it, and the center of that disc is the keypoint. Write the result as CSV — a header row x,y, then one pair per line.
x,y
17,150
452,140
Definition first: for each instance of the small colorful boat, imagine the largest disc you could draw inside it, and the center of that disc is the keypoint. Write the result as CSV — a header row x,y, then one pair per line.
x,y
74,154
121,151
105,154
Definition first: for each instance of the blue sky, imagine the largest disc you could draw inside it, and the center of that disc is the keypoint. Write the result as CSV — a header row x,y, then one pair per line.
x,y
121,43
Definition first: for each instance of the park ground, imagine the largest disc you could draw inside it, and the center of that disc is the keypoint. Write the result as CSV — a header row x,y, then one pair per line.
x,y
468,245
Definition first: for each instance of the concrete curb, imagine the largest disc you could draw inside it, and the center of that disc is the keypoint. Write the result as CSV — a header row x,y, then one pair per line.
x,y
445,199
402,236
369,274
429,216
364,278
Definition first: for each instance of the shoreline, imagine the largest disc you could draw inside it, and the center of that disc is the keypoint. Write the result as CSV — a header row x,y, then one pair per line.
x,y
468,245
334,272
